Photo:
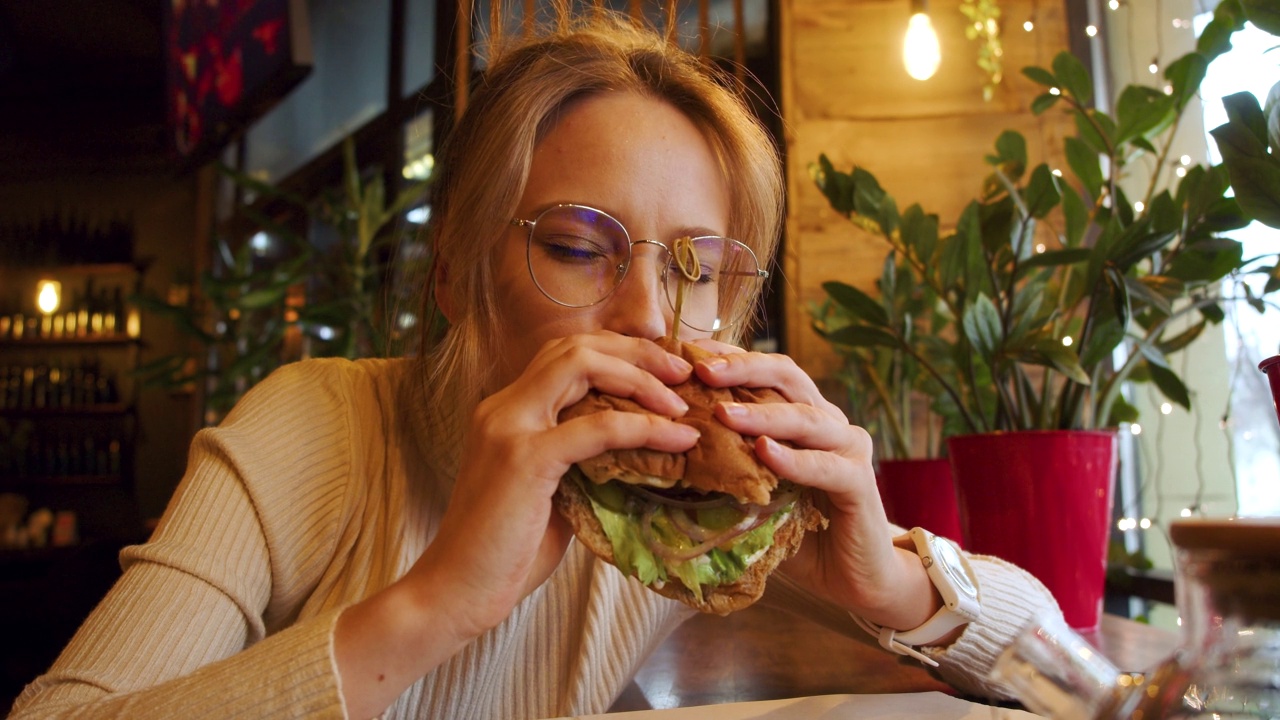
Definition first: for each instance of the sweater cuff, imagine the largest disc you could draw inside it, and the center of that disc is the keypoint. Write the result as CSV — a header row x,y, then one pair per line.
x,y
967,662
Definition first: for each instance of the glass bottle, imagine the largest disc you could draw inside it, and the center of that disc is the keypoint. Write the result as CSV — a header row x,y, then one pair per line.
x,y
1227,666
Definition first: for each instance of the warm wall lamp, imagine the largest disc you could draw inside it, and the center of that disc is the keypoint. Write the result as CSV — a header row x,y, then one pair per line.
x,y
920,50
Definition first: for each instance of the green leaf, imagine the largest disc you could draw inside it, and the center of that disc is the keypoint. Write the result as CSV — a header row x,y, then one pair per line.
x,y
1043,102
1011,149
1040,75
1170,385
1084,163
863,336
1215,39
1164,214
1139,245
888,215
1041,195
867,193
1117,292
860,304
1105,338
919,233
982,327
1182,339
1254,173
973,263
1263,13
1055,258
1185,74
1063,359
1213,313
1153,355
1122,411
1076,215
1144,144
258,299
1140,110
1206,261
1073,77
1095,129
1143,293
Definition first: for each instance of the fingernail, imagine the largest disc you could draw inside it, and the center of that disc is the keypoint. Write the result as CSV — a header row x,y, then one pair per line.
x,y
716,364
733,409
692,432
680,364
680,403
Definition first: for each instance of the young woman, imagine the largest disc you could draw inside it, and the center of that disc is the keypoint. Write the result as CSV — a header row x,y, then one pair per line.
x,y
378,536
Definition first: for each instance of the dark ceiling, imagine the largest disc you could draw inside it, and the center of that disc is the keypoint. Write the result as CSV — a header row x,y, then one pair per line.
x,y
81,88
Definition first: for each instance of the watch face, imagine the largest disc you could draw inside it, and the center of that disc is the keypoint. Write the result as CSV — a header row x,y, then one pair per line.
x,y
952,565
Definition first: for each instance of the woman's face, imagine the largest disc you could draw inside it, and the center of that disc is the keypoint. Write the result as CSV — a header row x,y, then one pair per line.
x,y
646,164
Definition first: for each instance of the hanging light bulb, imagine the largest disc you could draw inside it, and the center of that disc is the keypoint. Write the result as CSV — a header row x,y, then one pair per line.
x,y
1154,67
920,50
48,296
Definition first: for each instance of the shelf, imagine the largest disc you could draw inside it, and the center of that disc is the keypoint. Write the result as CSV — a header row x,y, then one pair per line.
x,y
77,270
48,481
98,410
94,341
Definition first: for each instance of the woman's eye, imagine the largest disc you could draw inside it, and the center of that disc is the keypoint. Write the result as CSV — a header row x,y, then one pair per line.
x,y
573,249
706,277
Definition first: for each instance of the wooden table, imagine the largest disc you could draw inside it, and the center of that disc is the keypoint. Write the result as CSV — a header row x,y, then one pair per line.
x,y
762,653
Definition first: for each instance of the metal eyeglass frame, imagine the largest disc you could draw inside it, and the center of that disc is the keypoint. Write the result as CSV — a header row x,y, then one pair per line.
x,y
625,267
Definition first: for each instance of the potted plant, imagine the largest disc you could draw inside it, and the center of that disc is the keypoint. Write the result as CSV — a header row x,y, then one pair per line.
x,y
333,291
889,393
1054,289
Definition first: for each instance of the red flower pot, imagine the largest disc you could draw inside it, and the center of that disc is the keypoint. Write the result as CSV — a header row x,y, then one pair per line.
x,y
1042,501
1271,366
920,493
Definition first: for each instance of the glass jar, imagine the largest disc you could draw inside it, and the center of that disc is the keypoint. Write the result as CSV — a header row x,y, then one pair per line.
x,y
1227,666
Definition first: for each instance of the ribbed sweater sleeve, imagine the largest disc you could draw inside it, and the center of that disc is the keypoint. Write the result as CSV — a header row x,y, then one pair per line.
x,y
1011,597
233,561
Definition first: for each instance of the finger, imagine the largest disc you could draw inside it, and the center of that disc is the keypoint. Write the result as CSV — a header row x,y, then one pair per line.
x,y
752,369
644,354
846,482
591,435
801,424
566,373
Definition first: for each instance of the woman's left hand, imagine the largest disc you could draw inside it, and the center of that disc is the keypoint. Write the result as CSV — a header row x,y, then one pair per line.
x,y
853,563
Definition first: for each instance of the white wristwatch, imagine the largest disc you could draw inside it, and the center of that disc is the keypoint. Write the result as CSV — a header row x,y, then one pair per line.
x,y
955,581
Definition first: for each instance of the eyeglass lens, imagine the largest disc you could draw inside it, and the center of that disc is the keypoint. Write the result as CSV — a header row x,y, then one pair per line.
x,y
578,256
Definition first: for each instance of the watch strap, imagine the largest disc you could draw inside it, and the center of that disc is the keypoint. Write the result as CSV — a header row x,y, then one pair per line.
x,y
938,625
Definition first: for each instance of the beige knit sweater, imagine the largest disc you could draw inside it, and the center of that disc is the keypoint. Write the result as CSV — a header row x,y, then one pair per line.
x,y
311,496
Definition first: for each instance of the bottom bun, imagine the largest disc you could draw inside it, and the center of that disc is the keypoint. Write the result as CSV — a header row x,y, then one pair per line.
x,y
576,508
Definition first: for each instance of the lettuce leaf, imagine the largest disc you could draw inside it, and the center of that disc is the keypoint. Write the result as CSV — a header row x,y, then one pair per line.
x,y
632,556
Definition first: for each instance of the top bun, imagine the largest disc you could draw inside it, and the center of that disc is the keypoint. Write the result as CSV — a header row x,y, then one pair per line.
x,y
722,461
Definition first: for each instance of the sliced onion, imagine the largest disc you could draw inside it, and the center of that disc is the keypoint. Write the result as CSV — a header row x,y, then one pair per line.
x,y
779,501
718,500
752,521
689,526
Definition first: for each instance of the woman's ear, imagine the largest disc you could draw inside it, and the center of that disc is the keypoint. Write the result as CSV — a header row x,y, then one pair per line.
x,y
443,291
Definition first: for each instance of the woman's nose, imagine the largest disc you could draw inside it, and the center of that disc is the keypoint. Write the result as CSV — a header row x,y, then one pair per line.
x,y
639,307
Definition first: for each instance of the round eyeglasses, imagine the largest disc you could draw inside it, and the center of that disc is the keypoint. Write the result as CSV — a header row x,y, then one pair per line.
x,y
579,255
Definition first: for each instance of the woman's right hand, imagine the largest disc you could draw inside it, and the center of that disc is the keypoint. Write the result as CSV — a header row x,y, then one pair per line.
x,y
500,537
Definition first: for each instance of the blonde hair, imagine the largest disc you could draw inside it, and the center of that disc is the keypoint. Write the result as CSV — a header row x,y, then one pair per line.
x,y
484,165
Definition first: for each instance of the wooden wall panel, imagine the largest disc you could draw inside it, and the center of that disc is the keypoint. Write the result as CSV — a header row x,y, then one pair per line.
x,y
845,94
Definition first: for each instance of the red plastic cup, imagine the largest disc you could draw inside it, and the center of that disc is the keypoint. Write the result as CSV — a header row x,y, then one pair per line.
x,y
1271,366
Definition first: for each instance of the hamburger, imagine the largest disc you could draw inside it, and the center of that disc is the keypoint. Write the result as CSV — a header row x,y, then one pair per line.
x,y
707,526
